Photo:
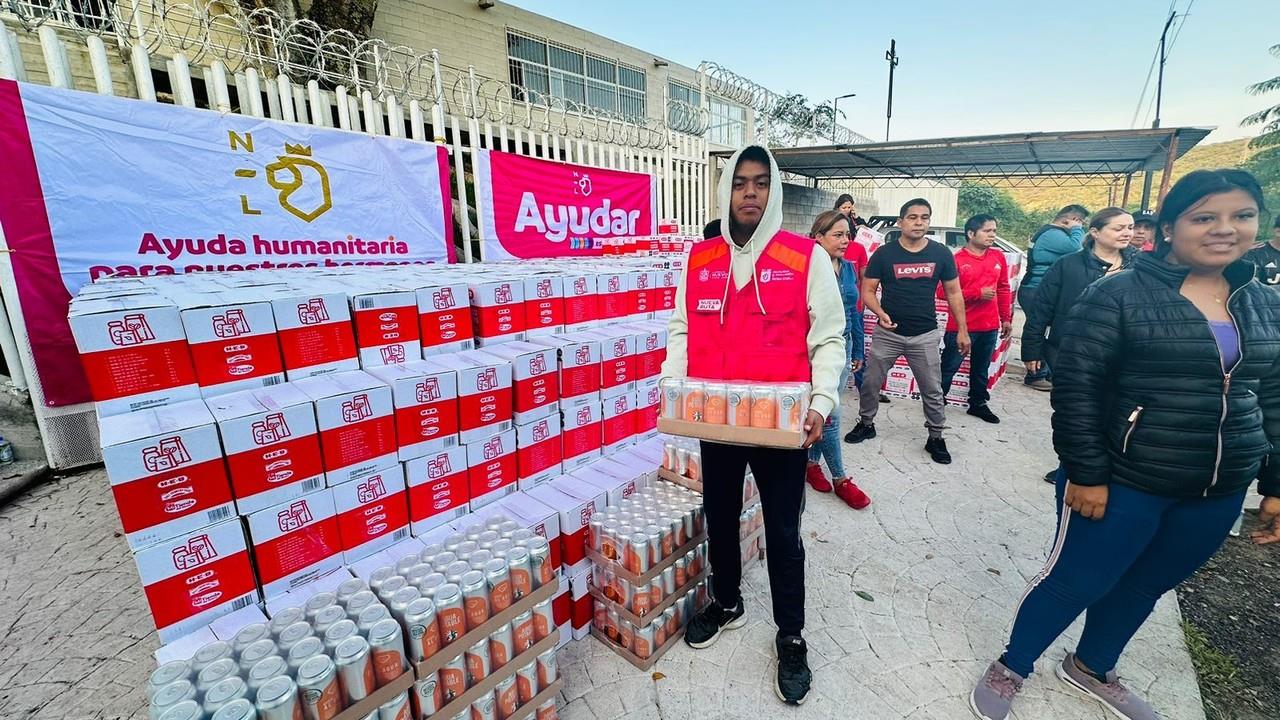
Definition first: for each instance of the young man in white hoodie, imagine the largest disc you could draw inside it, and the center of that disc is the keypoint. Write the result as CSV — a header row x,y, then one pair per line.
x,y
759,305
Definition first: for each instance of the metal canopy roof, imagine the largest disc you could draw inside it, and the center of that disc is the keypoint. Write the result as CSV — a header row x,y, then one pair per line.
x,y
1107,154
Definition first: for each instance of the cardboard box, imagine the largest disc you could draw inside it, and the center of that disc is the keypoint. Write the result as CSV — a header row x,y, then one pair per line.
x,y
648,406
535,375
578,360
491,464
298,596
544,304
166,471
444,318
373,513
226,627
668,281
271,443
582,434
614,292
295,542
386,326
134,352
316,333
356,419
562,613
539,451
732,435
651,349
185,647
616,480
498,309
484,393
439,491
618,360
536,517
617,423
576,501
644,292
425,397
581,306
194,578
233,344
582,605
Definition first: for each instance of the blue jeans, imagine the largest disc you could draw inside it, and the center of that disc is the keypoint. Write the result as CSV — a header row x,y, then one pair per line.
x,y
1026,297
1114,570
829,445
984,346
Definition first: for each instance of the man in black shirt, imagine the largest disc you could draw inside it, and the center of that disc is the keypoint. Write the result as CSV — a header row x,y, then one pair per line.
x,y
1267,259
907,272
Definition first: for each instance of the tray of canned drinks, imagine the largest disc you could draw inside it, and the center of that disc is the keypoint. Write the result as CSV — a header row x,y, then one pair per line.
x,y
640,608
738,413
340,656
643,645
515,690
655,529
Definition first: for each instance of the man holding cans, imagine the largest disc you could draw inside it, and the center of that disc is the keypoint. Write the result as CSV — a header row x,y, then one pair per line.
x,y
758,305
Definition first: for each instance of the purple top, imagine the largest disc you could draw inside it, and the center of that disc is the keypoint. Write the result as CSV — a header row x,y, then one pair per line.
x,y
1224,331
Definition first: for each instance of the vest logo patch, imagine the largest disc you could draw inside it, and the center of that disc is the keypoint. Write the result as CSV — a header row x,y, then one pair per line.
x,y
709,305
911,271
766,275
704,274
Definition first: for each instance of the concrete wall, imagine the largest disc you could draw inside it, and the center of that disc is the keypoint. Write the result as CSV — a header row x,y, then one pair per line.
x,y
801,204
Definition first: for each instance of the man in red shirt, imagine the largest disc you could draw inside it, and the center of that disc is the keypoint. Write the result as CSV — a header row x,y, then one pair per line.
x,y
988,305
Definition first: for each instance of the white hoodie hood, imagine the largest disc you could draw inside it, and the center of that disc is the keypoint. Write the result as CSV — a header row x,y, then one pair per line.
x,y
770,224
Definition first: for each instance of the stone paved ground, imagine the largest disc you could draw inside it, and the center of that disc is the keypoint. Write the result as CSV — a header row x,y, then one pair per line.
x,y
944,551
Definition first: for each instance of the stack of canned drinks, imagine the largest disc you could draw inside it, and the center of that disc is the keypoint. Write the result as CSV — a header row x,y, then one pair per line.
x,y
645,639
682,456
312,661
646,529
751,520
770,406
457,585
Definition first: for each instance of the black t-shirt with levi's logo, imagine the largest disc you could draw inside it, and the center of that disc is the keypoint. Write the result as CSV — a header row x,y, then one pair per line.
x,y
909,284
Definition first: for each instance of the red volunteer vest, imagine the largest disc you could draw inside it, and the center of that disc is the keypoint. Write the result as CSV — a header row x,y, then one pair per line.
x,y
750,345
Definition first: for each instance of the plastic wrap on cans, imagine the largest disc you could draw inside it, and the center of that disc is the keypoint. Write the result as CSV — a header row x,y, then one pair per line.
x,y
371,616
522,631
263,671
379,576
527,682
547,711
739,402
547,669
169,695
475,598
430,694
326,618
238,709
477,661
507,697
626,633
255,652
397,708
169,672
485,708
303,650
318,602
450,613
764,406
348,589
400,601
278,699
386,643
498,584
185,710
355,668
793,405
643,642
423,628
284,619
672,397
390,587
540,561
637,556
319,690
214,673
209,654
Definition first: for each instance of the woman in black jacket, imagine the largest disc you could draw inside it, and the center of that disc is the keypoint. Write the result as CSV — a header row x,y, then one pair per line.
x,y
1166,407
1106,250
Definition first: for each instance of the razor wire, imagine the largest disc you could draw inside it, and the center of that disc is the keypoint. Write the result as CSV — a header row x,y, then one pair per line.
x,y
729,85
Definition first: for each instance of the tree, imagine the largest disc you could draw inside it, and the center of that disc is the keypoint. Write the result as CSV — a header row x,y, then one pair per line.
x,y
793,120
1016,224
1265,166
1268,118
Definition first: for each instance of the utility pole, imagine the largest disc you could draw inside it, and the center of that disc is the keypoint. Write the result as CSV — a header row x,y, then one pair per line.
x,y
892,56
835,114
1147,177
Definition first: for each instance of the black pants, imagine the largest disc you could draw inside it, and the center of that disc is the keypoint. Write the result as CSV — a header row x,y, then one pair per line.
x,y
984,346
780,476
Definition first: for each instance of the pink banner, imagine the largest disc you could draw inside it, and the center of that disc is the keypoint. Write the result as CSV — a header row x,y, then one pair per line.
x,y
531,208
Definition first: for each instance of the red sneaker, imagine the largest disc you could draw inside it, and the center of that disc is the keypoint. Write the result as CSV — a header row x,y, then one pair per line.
x,y
813,474
853,497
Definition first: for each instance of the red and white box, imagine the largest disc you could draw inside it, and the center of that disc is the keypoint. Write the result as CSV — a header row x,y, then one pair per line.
x,y
536,379
544,304
647,407
373,513
356,420
582,434
617,423
562,613
616,480
539,451
484,393
613,290
536,517
316,334
234,345
386,326
444,317
651,349
576,501
498,309
166,471
194,578
425,396
899,379
582,605
644,293
581,303
668,281
491,464
295,542
618,360
134,352
578,360
272,446
439,491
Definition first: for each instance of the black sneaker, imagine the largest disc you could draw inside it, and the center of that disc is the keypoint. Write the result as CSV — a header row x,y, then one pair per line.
x,y
862,431
1051,477
794,678
884,398
937,449
983,412
705,628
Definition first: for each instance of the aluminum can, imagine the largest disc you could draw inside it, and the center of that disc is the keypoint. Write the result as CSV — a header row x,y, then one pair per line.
x,y
595,527
294,634
214,673
527,682
520,536
267,668
348,589
417,573
453,540
238,709
611,626
600,616
478,559
326,617
400,601
338,633
371,616
318,689
547,670
475,597
386,642
403,565
430,695
358,602
379,576
544,620
430,551
485,708
547,711
397,708
429,584
506,697
502,646
278,699
540,562
641,599
520,570
176,692
306,648
256,652
209,654
636,555
672,619
477,661
248,635
498,582
355,668
689,525
453,678
680,569
642,644
450,613
522,631
465,549
659,626
232,688
657,591
318,602
390,586
610,546
493,522
185,710
444,560
455,571
424,631
487,539
284,619
169,672
508,528
657,550
626,634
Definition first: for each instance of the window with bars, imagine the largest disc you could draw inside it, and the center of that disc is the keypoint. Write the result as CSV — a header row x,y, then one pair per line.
x,y
728,124
681,93
539,68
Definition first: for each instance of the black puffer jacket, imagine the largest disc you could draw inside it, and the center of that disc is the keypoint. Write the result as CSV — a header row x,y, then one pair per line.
x,y
1139,395
1062,284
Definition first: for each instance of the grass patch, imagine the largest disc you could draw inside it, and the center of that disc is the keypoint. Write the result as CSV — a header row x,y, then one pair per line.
x,y
1221,688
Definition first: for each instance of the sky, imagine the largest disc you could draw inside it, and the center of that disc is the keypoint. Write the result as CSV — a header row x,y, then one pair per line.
x,y
969,67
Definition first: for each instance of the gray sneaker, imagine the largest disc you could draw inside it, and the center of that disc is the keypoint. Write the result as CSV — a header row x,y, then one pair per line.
x,y
1115,697
1041,385
991,699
